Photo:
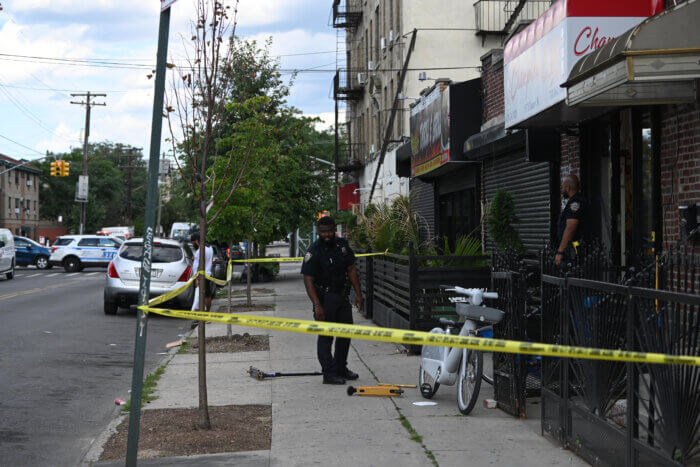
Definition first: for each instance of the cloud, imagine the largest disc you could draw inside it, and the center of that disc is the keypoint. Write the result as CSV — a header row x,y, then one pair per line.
x,y
65,137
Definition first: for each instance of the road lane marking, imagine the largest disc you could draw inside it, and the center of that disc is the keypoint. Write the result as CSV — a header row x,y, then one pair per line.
x,y
33,275
41,289
72,274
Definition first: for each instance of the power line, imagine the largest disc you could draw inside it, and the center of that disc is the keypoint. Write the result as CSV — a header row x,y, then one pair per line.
x,y
115,65
29,88
31,115
20,144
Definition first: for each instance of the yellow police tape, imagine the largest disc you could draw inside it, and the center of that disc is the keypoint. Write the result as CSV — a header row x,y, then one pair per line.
x,y
402,336
425,338
295,259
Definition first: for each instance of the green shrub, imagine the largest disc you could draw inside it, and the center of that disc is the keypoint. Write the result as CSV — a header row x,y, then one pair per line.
x,y
500,218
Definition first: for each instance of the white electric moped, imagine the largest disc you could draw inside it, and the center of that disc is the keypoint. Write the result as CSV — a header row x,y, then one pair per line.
x,y
444,365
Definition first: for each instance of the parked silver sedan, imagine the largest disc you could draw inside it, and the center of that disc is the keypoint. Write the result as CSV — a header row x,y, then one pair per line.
x,y
171,267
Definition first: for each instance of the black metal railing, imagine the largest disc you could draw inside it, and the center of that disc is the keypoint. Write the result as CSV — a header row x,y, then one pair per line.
x,y
347,13
498,16
623,413
347,85
351,157
516,377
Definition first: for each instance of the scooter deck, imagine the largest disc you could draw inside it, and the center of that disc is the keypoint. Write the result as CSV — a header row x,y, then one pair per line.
x,y
378,391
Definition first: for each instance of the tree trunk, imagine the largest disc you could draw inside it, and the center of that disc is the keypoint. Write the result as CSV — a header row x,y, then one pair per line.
x,y
229,331
204,422
249,267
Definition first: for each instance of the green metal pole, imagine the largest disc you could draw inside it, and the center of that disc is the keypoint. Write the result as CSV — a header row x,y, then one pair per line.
x,y
149,226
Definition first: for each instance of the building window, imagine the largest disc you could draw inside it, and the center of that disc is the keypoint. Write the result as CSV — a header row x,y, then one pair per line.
x,y
17,177
9,204
376,34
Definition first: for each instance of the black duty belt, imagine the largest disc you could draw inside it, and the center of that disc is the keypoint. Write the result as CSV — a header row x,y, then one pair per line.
x,y
329,289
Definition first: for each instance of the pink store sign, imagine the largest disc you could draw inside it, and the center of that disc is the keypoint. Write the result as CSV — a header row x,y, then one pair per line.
x,y
539,59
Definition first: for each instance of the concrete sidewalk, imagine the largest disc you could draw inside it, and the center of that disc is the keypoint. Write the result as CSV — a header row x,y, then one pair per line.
x,y
314,423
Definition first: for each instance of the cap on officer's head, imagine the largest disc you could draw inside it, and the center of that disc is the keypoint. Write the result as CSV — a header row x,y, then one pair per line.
x,y
326,220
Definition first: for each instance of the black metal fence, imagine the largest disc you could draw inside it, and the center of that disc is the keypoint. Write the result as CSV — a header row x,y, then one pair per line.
x,y
618,413
403,291
516,377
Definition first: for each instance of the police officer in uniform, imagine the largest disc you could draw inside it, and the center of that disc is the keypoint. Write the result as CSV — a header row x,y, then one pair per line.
x,y
572,216
328,266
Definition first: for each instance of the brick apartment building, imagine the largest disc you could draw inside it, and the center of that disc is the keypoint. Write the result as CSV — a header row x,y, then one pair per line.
x,y
19,198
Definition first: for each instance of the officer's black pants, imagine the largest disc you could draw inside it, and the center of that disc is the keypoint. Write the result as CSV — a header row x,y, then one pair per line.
x,y
337,309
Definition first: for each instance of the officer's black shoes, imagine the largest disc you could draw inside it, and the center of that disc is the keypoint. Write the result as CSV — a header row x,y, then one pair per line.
x,y
349,375
333,379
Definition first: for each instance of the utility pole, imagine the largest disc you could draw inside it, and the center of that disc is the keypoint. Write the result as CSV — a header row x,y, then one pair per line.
x,y
161,179
88,105
132,445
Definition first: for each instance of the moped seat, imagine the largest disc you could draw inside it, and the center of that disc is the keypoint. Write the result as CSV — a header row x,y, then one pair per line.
x,y
482,314
447,322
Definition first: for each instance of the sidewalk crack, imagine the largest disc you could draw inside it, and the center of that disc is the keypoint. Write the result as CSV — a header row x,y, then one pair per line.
x,y
413,434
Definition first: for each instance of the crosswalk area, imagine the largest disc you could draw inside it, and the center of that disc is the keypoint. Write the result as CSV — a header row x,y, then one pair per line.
x,y
56,273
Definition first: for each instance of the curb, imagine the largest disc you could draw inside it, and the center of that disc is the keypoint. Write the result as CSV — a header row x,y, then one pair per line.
x,y
94,450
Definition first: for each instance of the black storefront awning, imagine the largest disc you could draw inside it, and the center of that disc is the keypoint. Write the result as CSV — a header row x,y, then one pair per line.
x,y
494,140
656,62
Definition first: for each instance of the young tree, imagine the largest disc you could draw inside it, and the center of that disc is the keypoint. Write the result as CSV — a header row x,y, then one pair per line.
x,y
196,109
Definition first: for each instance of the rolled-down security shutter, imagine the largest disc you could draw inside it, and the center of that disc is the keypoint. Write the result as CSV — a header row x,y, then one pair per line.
x,y
423,205
529,184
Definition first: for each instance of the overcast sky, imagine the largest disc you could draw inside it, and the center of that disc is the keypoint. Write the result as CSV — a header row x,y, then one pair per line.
x,y
126,30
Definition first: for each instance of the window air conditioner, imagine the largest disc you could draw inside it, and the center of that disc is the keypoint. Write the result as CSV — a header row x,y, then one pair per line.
x,y
391,36
29,183
370,65
382,42
371,149
361,78
17,211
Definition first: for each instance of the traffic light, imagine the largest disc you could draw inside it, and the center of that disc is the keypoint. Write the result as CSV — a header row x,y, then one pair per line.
x,y
65,168
55,169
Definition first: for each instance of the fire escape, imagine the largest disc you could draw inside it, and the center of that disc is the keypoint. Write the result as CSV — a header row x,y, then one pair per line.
x,y
348,86
497,17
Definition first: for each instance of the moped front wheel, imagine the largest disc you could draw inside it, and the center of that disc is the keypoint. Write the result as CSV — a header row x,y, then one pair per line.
x,y
471,369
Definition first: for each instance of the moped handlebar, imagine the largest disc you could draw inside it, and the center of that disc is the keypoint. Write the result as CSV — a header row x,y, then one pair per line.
x,y
476,295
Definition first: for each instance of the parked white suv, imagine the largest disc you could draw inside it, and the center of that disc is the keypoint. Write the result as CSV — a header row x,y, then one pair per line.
x,y
171,268
7,254
75,252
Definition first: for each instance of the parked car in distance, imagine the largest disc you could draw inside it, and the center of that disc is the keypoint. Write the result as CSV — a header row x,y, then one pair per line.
x,y
237,252
30,253
181,231
220,264
75,252
124,231
170,269
7,254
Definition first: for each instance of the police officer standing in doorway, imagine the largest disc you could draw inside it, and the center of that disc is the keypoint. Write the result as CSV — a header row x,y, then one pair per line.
x,y
328,266
572,216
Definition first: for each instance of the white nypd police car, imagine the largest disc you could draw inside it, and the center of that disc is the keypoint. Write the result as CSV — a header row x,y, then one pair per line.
x,y
75,252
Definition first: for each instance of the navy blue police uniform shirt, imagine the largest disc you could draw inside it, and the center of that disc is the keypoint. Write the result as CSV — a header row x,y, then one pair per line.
x,y
328,263
575,209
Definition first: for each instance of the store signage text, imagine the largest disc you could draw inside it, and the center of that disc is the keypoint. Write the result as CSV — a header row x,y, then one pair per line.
x,y
588,41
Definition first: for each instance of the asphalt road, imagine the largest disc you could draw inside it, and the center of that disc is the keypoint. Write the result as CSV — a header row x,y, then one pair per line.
x,y
63,362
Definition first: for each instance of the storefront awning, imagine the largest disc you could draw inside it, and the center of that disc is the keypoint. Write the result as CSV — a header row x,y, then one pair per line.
x,y
495,140
655,62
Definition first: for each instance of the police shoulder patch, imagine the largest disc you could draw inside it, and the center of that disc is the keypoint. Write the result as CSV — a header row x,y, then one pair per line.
x,y
307,256
575,206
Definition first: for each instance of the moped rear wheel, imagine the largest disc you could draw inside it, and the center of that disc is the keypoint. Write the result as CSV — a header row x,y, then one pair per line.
x,y
471,369
428,387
